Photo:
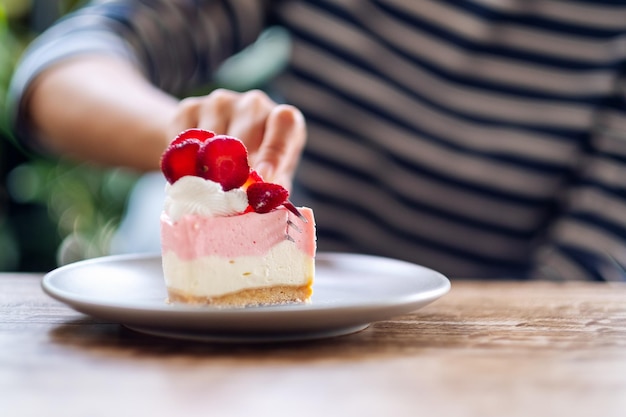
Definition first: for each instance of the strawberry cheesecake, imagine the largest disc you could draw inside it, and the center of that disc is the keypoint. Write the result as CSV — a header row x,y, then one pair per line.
x,y
228,237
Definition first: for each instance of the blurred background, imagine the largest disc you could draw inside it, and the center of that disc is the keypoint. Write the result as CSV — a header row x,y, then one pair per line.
x,y
50,209
53,211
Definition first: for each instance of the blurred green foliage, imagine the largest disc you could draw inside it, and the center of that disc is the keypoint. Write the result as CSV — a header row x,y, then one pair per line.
x,y
51,211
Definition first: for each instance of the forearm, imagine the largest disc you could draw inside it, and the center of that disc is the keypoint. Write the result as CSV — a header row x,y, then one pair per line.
x,y
100,109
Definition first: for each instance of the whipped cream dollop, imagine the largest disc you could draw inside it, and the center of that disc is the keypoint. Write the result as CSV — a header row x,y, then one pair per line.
x,y
195,195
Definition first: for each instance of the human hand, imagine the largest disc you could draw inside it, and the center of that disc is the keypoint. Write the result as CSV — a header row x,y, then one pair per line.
x,y
274,134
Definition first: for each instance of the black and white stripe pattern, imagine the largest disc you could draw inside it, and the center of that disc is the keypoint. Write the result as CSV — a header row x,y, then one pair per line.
x,y
478,137
462,135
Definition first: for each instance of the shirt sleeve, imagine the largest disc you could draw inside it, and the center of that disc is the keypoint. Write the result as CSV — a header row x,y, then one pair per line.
x,y
177,44
588,241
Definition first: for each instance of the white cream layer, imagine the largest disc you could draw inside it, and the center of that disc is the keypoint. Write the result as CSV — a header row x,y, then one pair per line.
x,y
212,276
194,195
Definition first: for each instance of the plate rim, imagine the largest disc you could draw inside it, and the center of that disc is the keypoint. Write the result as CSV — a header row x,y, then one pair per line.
x,y
140,313
62,295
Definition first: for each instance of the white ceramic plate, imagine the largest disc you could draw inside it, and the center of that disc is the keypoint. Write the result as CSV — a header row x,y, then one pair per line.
x,y
350,292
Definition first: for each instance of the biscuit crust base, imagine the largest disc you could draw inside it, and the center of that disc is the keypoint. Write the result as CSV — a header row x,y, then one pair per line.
x,y
249,297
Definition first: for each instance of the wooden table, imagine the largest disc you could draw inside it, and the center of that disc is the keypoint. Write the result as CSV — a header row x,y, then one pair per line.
x,y
484,349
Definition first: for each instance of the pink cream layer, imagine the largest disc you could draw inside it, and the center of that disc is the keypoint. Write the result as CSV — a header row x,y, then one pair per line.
x,y
250,234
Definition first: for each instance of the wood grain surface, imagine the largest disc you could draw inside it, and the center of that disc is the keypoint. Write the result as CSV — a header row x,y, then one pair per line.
x,y
485,349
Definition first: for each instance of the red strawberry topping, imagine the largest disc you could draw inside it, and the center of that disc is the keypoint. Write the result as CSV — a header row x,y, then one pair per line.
x,y
253,177
199,134
264,197
179,159
224,159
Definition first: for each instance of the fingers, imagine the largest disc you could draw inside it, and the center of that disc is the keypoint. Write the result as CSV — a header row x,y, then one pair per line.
x,y
274,134
280,150
217,110
242,115
249,118
212,112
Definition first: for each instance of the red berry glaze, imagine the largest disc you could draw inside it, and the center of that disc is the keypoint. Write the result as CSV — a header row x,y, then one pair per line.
x,y
224,159
179,159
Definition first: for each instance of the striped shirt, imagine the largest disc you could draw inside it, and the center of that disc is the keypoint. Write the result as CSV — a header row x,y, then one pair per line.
x,y
475,137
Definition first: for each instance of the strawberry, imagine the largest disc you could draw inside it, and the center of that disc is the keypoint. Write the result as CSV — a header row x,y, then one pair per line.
x,y
264,197
224,159
253,177
199,134
179,159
